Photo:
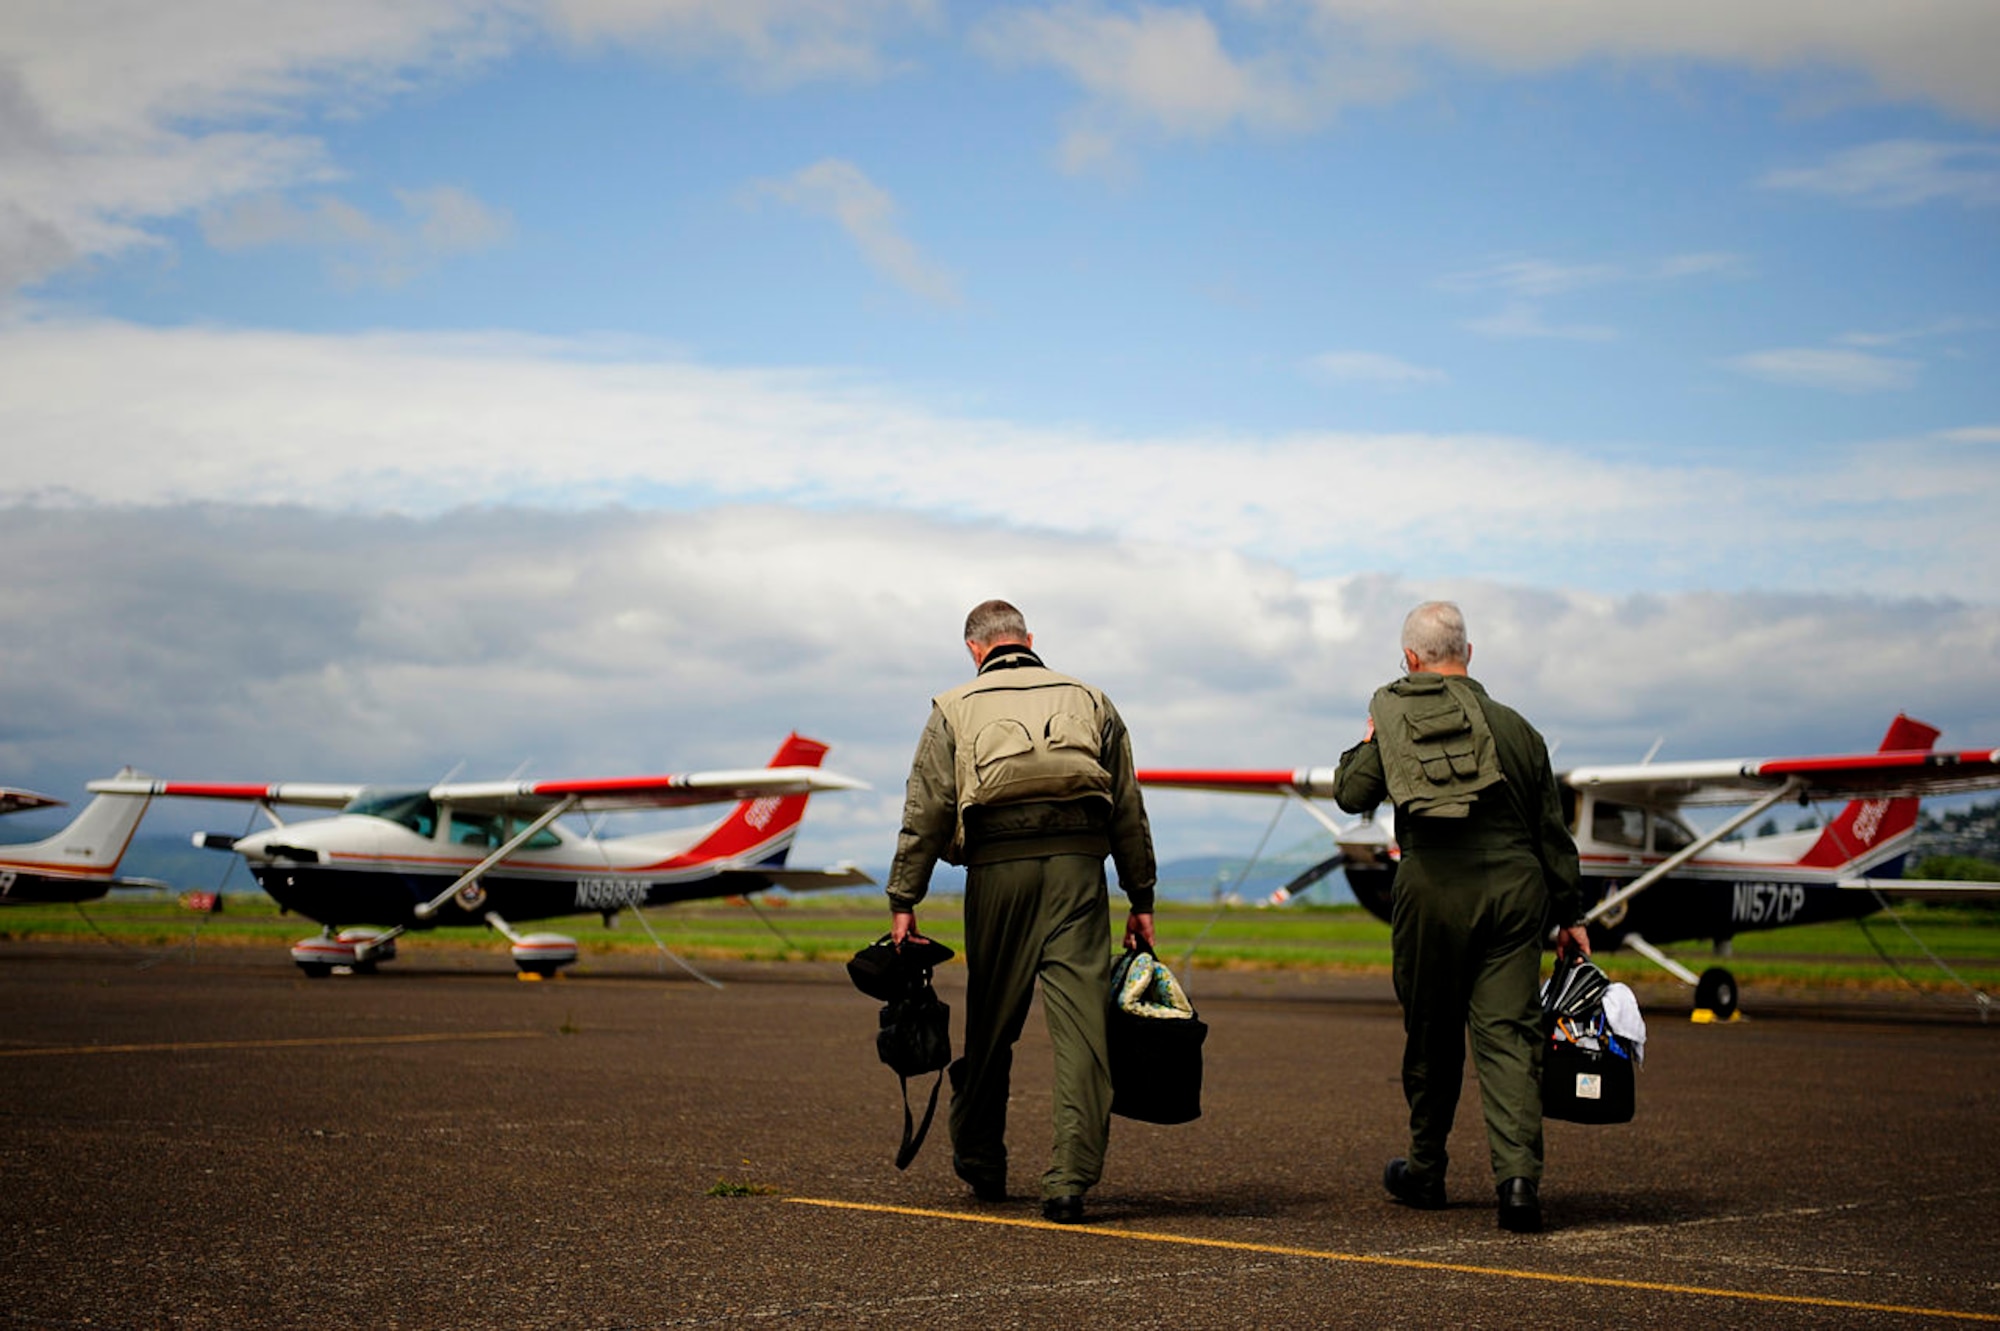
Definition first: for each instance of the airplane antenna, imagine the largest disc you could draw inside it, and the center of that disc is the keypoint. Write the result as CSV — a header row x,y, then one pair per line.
x,y
1981,1000
1652,751
1223,897
456,769
522,770
671,955
750,900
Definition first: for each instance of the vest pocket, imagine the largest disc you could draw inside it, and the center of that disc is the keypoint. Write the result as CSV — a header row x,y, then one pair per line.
x,y
998,741
1067,730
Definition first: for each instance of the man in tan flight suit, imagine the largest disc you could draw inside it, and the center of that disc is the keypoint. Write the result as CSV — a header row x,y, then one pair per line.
x,y
1024,776
1487,867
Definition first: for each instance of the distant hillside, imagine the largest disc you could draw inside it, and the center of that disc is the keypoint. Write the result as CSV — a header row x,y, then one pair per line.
x,y
171,859
1973,831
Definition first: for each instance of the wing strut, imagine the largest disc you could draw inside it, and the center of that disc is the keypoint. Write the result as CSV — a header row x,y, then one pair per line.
x,y
467,888
1701,843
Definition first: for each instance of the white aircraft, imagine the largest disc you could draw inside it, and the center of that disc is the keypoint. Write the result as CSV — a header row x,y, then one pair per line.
x,y
1655,879
79,863
493,852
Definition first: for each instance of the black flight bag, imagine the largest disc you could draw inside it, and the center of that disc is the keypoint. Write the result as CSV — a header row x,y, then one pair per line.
x,y
914,1036
1586,1070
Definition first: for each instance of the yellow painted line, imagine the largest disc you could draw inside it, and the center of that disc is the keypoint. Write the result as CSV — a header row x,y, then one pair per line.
x,y
1407,1263
184,1046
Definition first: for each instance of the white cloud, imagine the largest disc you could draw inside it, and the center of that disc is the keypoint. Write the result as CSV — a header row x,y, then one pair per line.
x,y
255,643
1529,282
1532,278
118,115
1922,332
866,212
1843,371
1373,367
1525,320
437,222
1938,51
104,413
1192,71
771,42
1156,70
1901,173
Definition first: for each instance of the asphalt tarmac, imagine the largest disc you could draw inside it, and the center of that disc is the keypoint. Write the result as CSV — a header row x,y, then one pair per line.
x,y
214,1141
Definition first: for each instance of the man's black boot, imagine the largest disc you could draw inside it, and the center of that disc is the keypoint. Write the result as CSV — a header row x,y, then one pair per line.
x,y
1520,1206
984,1186
1424,1194
1064,1210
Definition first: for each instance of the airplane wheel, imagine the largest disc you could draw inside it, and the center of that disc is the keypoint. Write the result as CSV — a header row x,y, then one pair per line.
x,y
1716,991
315,970
546,970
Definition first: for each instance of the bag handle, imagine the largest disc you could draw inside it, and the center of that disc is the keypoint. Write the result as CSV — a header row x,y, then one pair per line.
x,y
912,1144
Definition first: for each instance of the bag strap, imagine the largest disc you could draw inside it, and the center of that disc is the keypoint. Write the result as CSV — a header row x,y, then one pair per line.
x,y
912,1144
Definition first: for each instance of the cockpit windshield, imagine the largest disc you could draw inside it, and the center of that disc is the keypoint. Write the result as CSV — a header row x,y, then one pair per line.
x,y
413,809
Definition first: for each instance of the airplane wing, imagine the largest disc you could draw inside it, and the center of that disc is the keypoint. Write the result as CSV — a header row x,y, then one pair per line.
x,y
593,795
1891,774
1312,781
612,794
314,794
14,799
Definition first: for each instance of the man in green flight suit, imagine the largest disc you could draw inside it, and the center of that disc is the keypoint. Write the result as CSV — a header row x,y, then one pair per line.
x,y
1024,776
1487,868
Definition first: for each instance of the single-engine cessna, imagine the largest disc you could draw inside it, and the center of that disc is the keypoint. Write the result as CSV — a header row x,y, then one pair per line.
x,y
493,852
1656,879
79,863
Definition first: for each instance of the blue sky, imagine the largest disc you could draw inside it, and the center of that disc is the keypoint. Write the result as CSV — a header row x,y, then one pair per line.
x,y
1213,331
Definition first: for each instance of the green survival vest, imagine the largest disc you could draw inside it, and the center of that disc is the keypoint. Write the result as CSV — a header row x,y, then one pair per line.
x,y
1025,733
1437,750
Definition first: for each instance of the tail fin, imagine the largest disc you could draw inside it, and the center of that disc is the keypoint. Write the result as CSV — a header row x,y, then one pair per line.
x,y
760,831
1864,830
91,846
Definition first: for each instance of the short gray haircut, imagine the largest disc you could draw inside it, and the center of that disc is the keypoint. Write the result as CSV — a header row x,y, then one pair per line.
x,y
1435,631
995,621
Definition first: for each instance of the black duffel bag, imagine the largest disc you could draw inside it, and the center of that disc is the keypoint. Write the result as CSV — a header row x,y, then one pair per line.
x,y
915,1024
1155,1043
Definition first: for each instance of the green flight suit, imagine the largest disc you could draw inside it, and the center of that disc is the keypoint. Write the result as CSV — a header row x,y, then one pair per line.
x,y
1036,907
1475,896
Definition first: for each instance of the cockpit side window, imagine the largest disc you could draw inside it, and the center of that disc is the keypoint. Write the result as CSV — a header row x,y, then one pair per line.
x,y
413,809
1618,825
546,839
1670,834
474,829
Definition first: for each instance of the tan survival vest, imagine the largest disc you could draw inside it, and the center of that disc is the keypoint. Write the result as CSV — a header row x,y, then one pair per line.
x,y
1025,733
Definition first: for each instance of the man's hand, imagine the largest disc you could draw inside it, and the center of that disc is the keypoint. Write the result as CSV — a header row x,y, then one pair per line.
x,y
1138,928
903,924
1573,941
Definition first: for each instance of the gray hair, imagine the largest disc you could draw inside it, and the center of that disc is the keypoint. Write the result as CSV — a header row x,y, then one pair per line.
x,y
1435,631
995,621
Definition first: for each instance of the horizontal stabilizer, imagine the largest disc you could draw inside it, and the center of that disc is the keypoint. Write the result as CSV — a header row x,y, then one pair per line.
x,y
1925,889
815,880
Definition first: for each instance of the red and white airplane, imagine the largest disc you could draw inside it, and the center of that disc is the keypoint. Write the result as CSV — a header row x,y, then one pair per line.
x,y
1655,879
79,863
493,852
